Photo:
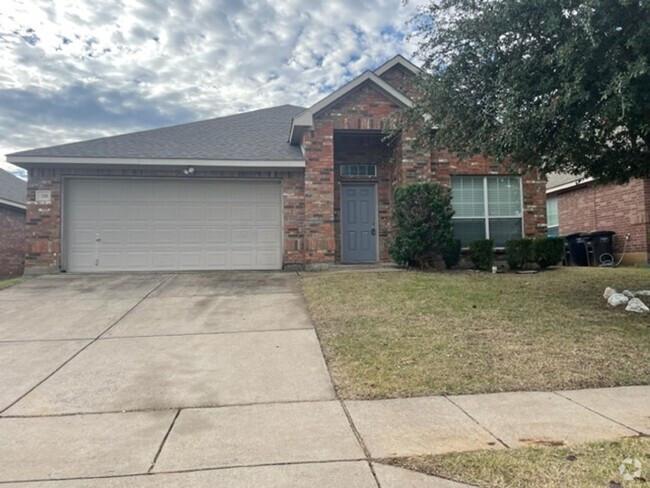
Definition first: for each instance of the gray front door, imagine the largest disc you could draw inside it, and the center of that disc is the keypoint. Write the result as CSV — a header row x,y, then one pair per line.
x,y
358,225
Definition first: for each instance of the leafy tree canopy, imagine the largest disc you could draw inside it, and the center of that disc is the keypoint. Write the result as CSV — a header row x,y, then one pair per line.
x,y
560,85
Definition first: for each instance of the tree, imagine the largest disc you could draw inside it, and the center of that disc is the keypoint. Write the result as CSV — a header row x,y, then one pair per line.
x,y
559,85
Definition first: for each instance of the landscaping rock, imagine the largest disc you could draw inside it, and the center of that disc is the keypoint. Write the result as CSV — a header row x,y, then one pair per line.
x,y
628,293
617,299
643,293
636,305
608,293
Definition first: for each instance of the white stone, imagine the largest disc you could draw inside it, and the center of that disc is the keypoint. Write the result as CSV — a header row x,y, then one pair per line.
x,y
608,293
617,299
643,293
628,293
636,305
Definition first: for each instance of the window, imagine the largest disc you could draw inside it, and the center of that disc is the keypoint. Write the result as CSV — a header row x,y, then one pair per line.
x,y
358,170
552,218
487,207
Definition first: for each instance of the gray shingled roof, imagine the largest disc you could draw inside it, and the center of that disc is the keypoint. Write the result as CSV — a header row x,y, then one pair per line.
x,y
553,180
12,188
260,135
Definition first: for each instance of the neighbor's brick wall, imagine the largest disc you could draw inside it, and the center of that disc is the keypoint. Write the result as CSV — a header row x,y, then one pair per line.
x,y
12,241
621,208
43,234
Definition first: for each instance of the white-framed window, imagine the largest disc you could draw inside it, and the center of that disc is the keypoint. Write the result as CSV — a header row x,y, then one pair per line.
x,y
359,170
487,207
552,217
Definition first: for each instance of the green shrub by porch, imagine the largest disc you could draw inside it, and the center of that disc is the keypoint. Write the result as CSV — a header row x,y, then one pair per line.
x,y
481,253
519,252
422,216
548,251
451,255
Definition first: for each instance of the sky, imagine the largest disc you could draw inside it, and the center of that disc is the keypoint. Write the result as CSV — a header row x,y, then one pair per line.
x,y
72,70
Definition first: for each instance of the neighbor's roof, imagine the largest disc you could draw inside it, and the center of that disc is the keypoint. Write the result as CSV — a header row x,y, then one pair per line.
x,y
563,181
13,190
260,135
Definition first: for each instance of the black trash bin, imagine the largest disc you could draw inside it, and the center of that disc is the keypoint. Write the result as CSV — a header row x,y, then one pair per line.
x,y
602,244
578,248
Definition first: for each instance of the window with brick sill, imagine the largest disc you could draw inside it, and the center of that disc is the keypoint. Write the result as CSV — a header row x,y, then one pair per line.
x,y
359,170
487,207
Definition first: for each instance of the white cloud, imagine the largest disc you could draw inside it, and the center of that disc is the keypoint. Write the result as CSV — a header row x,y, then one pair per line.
x,y
77,69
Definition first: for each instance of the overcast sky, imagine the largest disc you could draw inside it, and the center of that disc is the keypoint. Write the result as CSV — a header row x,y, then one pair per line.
x,y
75,69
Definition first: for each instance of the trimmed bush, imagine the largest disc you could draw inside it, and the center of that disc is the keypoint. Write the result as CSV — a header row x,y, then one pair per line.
x,y
519,252
548,251
422,216
481,253
451,255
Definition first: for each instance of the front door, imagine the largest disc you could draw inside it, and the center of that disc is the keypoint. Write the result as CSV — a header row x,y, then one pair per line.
x,y
358,224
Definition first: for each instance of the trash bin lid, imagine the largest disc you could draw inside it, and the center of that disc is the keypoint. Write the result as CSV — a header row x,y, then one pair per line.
x,y
602,233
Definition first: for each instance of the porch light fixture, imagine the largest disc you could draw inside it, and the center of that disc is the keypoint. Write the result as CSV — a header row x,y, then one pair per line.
x,y
189,170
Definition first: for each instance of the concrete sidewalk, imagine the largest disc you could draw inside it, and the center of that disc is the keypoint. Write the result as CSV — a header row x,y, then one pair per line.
x,y
217,379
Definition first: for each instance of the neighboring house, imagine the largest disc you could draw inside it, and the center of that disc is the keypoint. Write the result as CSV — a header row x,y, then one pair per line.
x,y
12,224
576,204
274,188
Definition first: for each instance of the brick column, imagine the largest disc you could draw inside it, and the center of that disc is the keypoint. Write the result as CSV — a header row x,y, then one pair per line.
x,y
320,240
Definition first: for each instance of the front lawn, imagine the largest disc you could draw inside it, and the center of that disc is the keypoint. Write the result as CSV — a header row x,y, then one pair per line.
x,y
581,466
403,333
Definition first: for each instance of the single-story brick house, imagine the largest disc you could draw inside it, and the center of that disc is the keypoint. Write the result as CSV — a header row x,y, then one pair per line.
x,y
275,188
579,204
12,224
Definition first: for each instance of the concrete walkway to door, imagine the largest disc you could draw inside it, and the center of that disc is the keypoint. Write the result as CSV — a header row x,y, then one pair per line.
x,y
193,379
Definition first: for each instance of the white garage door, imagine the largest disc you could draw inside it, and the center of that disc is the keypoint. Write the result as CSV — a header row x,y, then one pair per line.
x,y
155,224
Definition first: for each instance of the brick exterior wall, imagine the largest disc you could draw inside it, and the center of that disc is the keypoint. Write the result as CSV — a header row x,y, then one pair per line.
x,y
400,78
12,241
621,208
44,220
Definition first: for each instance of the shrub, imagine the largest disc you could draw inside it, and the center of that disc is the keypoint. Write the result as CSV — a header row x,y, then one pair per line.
x,y
422,216
481,253
519,252
451,255
548,251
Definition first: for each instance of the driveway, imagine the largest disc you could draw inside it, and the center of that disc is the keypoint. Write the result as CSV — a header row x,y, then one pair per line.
x,y
197,379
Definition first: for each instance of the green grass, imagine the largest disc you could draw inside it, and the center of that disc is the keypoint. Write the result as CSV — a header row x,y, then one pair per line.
x,y
7,282
581,466
395,334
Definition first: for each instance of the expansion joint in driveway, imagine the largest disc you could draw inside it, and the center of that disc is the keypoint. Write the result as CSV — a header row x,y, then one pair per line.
x,y
164,440
86,346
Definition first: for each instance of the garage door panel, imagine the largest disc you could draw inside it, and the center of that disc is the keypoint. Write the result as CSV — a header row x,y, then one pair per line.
x,y
268,215
148,224
218,236
242,214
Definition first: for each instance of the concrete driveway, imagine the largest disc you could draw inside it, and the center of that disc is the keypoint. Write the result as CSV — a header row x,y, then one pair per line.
x,y
197,379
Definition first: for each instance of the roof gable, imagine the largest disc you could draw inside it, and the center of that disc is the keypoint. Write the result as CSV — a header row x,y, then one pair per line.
x,y
395,61
306,119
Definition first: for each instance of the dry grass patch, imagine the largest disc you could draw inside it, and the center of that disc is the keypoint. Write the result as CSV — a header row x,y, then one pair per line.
x,y
395,334
581,466
6,283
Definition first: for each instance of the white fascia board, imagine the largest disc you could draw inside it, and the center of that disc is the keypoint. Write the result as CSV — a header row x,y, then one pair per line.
x,y
306,118
402,61
9,203
26,161
570,185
